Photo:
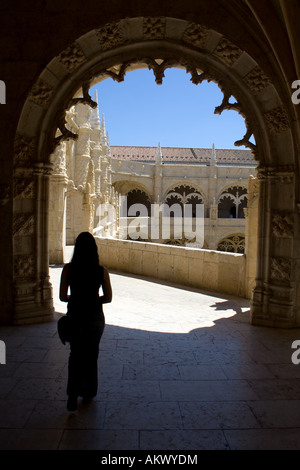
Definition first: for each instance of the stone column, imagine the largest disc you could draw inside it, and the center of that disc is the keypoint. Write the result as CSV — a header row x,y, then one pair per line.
x,y
32,288
158,177
57,206
251,233
274,301
82,151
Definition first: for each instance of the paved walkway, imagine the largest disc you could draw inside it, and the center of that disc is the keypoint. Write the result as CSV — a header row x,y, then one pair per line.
x,y
178,370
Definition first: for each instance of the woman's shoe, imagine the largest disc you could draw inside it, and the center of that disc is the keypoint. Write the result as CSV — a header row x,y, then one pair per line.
x,y
72,403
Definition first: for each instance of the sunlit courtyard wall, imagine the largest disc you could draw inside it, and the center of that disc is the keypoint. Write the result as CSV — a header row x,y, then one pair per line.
x,y
201,269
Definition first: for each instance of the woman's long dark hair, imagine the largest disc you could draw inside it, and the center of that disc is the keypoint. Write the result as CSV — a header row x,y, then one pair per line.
x,y
85,252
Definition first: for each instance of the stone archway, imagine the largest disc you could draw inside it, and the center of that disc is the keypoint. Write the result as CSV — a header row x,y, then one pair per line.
x,y
158,43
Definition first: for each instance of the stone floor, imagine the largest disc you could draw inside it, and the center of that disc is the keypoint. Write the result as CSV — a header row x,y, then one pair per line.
x,y
179,370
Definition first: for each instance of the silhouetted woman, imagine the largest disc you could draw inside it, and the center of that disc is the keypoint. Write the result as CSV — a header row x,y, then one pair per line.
x,y
84,275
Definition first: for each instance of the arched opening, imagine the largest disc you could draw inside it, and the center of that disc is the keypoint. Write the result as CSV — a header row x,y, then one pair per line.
x,y
210,57
232,203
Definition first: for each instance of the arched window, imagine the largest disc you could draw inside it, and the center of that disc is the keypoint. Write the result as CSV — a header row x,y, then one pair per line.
x,y
184,194
137,196
232,203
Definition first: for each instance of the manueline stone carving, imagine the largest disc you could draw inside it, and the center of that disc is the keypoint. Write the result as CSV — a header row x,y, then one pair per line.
x,y
72,57
23,267
154,28
41,93
283,224
196,35
23,224
257,80
281,269
227,51
277,120
111,35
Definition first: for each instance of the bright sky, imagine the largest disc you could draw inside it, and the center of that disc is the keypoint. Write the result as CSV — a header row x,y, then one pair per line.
x,y
138,112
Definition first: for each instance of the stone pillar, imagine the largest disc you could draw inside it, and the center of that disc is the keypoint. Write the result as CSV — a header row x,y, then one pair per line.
x,y
82,152
274,301
31,286
57,206
251,233
158,177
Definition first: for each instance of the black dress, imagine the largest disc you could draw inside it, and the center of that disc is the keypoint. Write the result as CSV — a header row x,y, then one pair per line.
x,y
87,325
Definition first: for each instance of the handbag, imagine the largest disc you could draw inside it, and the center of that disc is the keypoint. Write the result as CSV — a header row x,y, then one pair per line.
x,y
63,329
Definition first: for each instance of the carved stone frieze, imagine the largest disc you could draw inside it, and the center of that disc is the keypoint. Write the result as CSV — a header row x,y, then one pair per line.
x,y
279,174
277,120
195,35
154,28
227,51
257,80
283,224
41,92
111,35
281,269
72,57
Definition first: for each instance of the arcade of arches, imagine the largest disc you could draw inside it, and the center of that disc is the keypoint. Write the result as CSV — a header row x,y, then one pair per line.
x,y
249,48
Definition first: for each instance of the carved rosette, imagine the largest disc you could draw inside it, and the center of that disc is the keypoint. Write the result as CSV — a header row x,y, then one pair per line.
x,y
111,35
23,267
195,35
277,120
227,51
283,224
41,93
72,57
257,80
154,28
